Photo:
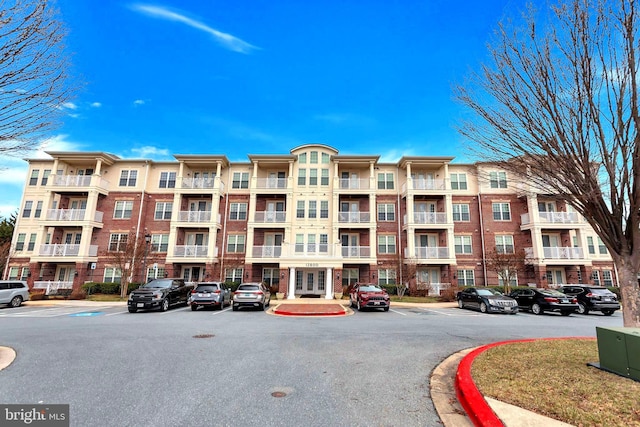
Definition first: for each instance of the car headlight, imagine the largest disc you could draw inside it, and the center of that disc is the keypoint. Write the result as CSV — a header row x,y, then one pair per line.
x,y
131,296
157,295
492,302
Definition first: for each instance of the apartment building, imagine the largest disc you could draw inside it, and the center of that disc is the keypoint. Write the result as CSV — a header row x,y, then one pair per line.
x,y
310,222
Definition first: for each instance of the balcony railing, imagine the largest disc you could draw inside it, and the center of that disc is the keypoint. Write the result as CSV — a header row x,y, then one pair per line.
x,y
311,249
193,251
65,250
52,287
79,181
429,218
206,183
562,252
433,289
71,215
267,251
553,218
271,183
194,216
356,251
428,184
354,183
436,252
270,216
354,217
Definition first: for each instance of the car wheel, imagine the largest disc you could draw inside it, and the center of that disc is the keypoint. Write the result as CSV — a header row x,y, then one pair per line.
x,y
261,307
269,302
17,300
483,307
386,308
582,309
164,306
194,307
235,308
460,304
536,309
607,312
132,310
565,313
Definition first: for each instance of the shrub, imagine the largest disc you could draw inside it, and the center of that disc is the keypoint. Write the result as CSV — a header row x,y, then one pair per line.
x,y
37,295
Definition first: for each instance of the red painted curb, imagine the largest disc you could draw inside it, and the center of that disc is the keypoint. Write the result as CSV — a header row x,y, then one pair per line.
x,y
310,310
473,402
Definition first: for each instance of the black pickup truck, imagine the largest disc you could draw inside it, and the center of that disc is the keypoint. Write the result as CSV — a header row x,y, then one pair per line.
x,y
160,294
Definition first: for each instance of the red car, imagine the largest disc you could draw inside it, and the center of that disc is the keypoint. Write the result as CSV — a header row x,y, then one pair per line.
x,y
369,295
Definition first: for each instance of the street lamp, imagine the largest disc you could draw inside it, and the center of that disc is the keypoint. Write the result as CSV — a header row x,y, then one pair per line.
x,y
147,240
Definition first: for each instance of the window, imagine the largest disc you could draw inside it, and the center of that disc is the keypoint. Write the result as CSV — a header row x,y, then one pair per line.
x,y
163,210
13,273
324,243
386,212
20,241
233,275
235,243
461,212
466,278
123,209
602,249
302,177
167,180
302,158
313,159
159,243
34,177
498,179
325,158
26,212
32,242
324,180
462,245
592,248
501,211
112,275
504,244
324,209
45,176
387,244
238,211
313,176
385,181
299,243
511,276
128,178
311,243
595,277
25,274
458,181
607,278
300,209
38,210
313,209
386,277
240,180
118,242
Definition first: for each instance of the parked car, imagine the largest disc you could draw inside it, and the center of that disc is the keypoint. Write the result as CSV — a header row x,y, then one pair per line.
x,y
369,295
486,300
210,294
159,294
13,292
541,300
251,295
593,298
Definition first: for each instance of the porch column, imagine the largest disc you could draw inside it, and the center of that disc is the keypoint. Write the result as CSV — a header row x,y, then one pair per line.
x,y
292,283
329,284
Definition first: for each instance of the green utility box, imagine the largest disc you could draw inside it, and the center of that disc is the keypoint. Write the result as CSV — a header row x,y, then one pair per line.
x,y
619,351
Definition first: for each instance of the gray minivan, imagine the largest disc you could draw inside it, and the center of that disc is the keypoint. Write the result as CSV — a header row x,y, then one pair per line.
x,y
13,292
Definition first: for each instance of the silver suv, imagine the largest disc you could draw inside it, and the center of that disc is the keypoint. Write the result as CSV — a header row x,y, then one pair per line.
x,y
251,295
13,292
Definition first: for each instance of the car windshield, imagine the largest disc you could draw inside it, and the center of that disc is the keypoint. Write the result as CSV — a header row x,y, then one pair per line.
x,y
370,288
248,288
158,283
601,292
551,293
207,288
488,292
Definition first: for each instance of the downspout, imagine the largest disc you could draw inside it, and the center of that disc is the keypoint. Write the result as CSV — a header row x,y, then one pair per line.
x,y
399,244
224,225
484,264
135,248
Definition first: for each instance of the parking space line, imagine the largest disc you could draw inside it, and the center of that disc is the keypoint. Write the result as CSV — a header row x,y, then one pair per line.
x,y
119,312
220,311
451,314
397,312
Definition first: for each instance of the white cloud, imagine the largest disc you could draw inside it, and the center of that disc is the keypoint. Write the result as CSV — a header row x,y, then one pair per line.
x,y
138,102
70,106
149,152
225,40
393,155
96,104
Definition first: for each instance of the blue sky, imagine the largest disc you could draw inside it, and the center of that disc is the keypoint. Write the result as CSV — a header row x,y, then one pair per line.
x,y
261,77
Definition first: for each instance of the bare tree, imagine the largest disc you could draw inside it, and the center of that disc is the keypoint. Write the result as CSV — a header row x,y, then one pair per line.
x,y
506,265
558,103
130,255
33,73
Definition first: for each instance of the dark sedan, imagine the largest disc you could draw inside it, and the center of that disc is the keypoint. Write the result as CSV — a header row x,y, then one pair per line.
x,y
486,300
540,300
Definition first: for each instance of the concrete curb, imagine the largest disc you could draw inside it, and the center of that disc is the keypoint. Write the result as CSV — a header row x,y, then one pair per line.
x,y
7,356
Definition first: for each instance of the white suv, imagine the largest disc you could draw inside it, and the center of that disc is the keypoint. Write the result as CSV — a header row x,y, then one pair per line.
x,y
13,292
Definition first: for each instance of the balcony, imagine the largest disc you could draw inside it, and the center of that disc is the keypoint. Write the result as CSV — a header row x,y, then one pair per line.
x,y
557,253
52,287
356,251
354,217
195,216
553,219
79,182
193,251
270,217
428,218
65,250
195,183
311,250
65,215
436,252
271,183
267,251
354,183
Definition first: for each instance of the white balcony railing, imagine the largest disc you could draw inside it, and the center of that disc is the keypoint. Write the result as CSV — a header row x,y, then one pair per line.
x,y
354,183
428,184
267,251
52,287
433,289
429,218
561,252
206,183
553,218
65,250
356,251
270,216
271,183
354,217
192,251
436,252
78,181
311,249
194,216
71,215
